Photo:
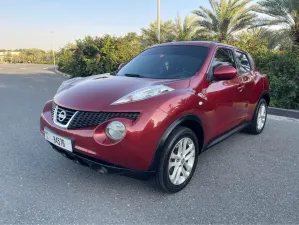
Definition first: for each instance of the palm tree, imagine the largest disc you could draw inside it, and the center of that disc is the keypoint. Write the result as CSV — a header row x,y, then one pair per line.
x,y
284,15
226,18
270,36
185,31
149,36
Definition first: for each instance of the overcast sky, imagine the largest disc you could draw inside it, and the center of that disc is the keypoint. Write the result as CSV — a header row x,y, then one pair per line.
x,y
27,23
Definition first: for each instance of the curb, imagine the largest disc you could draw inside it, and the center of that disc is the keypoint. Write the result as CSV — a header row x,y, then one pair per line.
x,y
284,112
61,73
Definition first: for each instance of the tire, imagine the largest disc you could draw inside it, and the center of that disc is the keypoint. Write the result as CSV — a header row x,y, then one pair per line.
x,y
254,127
166,176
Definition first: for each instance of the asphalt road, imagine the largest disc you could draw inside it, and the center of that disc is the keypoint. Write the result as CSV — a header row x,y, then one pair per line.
x,y
245,179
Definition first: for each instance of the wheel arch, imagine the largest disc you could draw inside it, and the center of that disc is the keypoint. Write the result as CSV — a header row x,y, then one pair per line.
x,y
190,121
266,96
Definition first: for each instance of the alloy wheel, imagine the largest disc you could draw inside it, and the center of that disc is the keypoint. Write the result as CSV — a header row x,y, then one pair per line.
x,y
261,118
181,161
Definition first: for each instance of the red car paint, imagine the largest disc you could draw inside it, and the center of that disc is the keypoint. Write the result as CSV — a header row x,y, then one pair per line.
x,y
219,105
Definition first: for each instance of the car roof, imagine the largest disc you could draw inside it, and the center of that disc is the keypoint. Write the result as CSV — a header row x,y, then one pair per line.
x,y
209,44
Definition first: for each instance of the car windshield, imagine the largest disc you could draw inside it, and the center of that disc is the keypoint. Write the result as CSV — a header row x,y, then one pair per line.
x,y
166,62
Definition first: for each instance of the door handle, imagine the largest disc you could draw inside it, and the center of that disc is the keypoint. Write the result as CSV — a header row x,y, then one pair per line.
x,y
240,87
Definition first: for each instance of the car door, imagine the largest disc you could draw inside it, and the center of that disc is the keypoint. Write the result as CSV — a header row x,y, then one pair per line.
x,y
223,96
246,75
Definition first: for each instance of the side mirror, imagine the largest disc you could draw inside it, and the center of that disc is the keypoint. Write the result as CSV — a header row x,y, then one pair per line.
x,y
225,73
121,66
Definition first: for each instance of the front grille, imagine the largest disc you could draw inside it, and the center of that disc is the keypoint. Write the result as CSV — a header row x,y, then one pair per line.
x,y
69,115
61,116
90,119
81,119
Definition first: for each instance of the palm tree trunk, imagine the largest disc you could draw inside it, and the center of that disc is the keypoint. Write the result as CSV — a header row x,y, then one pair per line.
x,y
295,38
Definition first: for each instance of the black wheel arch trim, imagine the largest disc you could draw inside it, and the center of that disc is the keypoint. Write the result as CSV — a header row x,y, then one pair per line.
x,y
176,123
265,93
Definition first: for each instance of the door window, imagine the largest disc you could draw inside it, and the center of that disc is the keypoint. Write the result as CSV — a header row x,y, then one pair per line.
x,y
244,63
223,57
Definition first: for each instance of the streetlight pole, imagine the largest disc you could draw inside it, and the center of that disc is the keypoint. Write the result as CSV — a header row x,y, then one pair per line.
x,y
158,20
52,32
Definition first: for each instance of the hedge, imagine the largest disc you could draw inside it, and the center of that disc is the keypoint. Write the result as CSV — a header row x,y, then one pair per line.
x,y
283,71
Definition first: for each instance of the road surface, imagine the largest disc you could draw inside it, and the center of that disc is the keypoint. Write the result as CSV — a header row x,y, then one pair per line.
x,y
244,179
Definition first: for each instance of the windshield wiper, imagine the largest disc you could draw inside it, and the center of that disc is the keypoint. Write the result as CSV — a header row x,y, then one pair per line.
x,y
132,75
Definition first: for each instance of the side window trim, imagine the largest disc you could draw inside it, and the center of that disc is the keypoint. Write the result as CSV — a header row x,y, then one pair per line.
x,y
211,64
251,61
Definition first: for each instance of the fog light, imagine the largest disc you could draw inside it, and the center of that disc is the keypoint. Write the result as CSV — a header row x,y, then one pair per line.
x,y
115,130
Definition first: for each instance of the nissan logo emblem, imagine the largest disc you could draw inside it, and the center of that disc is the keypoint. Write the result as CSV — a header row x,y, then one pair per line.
x,y
61,116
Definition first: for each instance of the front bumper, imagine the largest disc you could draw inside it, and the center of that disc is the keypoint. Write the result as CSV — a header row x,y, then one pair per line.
x,y
134,153
102,166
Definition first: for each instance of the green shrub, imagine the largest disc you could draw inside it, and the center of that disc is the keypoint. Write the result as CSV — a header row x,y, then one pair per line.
x,y
98,55
283,71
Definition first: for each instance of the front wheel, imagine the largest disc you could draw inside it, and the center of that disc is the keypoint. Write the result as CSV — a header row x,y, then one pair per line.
x,y
259,119
178,160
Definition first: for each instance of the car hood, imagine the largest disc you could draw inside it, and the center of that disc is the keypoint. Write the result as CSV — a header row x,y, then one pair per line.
x,y
99,91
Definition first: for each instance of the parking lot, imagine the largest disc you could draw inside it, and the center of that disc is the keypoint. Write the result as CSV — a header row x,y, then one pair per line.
x,y
244,179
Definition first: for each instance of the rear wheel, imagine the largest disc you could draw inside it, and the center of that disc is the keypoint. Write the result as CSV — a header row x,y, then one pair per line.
x,y
178,160
259,119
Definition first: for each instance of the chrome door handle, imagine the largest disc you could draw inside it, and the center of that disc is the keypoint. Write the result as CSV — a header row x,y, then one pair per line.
x,y
241,87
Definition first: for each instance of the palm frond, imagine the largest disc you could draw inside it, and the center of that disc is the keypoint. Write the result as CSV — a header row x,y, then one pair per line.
x,y
282,13
149,35
226,17
186,30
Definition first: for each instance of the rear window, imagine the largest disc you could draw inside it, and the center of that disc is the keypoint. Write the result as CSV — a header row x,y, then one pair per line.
x,y
167,62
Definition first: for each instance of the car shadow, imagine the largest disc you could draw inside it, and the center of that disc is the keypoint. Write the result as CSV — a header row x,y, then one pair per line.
x,y
208,160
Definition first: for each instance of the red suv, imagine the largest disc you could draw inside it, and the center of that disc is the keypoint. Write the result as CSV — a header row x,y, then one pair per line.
x,y
159,111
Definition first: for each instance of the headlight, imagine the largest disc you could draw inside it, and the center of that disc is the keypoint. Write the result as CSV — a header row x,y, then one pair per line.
x,y
67,82
143,93
115,130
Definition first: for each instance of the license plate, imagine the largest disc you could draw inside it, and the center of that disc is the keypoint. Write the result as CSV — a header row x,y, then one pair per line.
x,y
58,140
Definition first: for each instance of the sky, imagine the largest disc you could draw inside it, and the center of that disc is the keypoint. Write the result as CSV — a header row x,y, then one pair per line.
x,y
28,23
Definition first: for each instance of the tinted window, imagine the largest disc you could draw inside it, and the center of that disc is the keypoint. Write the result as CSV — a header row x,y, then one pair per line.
x,y
244,63
222,57
167,62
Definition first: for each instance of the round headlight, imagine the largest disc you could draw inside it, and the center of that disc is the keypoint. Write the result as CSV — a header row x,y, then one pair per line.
x,y
115,130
